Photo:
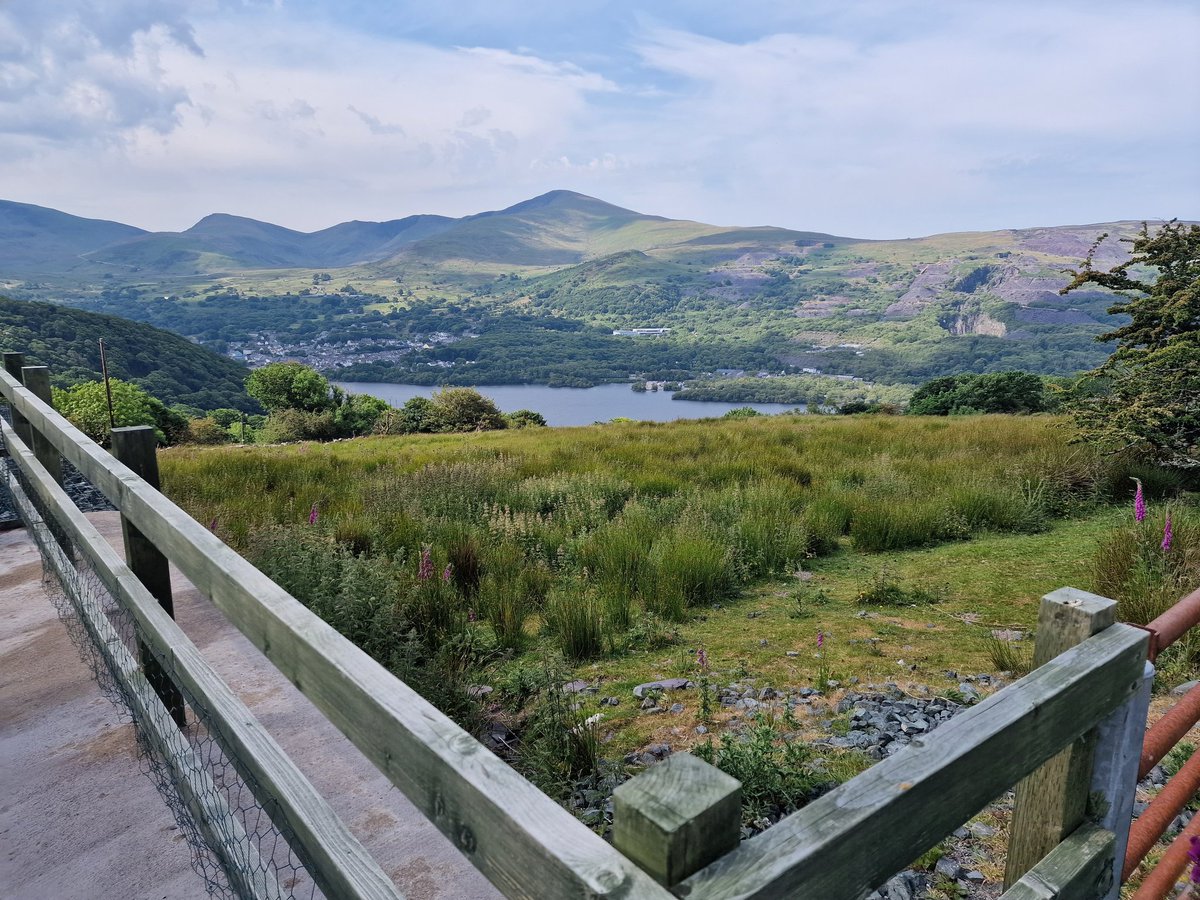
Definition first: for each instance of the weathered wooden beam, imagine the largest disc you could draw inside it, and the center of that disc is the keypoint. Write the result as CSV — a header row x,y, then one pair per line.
x,y
852,839
341,866
1079,868
1051,802
137,447
677,817
522,841
37,380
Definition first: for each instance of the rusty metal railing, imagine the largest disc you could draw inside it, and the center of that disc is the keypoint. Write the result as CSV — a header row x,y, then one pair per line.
x,y
1185,784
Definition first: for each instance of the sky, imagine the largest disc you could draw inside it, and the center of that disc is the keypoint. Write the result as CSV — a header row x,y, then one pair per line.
x,y
867,118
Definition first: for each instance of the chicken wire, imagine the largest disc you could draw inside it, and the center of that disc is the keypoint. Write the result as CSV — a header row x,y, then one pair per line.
x,y
240,842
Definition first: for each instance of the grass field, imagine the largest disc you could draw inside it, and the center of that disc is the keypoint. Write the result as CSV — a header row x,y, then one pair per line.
x,y
614,553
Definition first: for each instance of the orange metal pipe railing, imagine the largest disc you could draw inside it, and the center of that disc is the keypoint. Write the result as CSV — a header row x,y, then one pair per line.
x,y
1150,825
1170,626
1166,732
1162,880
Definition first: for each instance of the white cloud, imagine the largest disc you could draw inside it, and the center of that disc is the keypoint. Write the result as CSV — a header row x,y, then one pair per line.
x,y
870,118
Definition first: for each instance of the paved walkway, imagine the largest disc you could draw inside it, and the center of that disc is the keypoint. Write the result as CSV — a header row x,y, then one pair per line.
x,y
77,819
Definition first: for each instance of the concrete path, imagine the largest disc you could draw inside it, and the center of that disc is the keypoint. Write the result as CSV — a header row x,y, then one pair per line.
x,y
78,820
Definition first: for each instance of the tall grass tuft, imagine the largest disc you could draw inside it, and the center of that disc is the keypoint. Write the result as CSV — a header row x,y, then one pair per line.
x,y
887,524
687,567
1007,656
575,617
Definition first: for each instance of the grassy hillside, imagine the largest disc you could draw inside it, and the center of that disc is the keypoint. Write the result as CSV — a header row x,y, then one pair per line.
x,y
168,366
34,239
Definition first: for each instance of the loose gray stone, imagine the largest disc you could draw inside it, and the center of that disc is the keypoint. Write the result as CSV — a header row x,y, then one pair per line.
x,y
666,684
948,868
1183,688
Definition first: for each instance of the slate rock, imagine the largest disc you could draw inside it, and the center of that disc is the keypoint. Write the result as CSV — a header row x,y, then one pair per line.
x,y
666,684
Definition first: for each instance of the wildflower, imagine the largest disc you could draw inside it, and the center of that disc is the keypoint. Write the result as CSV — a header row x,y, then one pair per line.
x,y
471,617
702,659
447,573
1139,502
212,526
312,515
1167,535
820,639
1194,856
425,571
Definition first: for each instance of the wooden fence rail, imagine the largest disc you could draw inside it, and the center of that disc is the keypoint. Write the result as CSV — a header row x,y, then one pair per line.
x,y
342,867
678,819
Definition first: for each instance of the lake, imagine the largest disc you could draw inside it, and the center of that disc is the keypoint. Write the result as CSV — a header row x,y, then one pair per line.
x,y
573,406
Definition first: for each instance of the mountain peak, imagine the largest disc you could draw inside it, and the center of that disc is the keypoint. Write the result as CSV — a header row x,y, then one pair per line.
x,y
224,223
564,200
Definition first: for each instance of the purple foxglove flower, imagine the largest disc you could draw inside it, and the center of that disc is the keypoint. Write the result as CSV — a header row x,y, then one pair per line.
x,y
425,570
212,526
312,515
1167,535
1194,856
470,615
820,639
702,659
1139,503
447,573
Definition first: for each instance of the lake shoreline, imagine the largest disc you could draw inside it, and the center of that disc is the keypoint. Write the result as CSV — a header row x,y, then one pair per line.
x,y
566,406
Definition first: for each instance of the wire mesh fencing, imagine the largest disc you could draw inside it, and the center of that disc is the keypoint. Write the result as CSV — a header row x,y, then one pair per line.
x,y
242,846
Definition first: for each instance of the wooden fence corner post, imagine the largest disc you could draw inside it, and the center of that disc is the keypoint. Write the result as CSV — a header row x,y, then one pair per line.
x,y
136,447
37,380
677,817
1051,802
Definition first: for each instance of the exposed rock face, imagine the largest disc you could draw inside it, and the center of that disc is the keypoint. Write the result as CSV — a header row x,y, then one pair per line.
x,y
975,323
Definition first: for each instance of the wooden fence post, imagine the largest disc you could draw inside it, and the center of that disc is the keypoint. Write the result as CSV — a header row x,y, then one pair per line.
x,y
1051,802
1115,772
13,364
677,817
37,379
136,447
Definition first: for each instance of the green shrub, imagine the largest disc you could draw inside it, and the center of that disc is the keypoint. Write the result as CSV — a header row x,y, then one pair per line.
x,y
558,745
288,425
778,776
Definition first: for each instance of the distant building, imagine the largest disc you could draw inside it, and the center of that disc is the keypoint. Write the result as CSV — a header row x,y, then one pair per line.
x,y
641,332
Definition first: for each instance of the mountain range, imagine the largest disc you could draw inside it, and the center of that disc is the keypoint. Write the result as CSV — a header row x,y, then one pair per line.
x,y
560,228
894,310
